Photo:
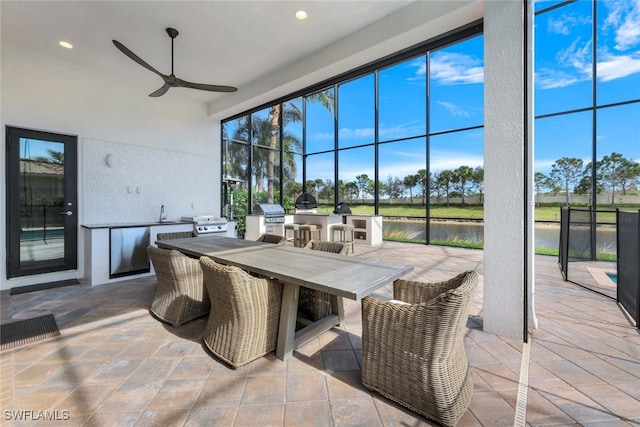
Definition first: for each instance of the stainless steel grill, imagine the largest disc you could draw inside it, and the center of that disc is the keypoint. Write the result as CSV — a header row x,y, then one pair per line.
x,y
207,224
273,213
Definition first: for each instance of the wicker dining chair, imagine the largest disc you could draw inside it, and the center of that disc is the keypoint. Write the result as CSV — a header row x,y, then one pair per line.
x,y
272,238
245,313
413,346
174,235
313,304
180,296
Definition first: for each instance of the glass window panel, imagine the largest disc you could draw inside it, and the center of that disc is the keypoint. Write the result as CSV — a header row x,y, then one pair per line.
x,y
457,170
266,127
236,130
356,112
320,169
42,196
618,68
292,120
320,124
353,165
263,190
456,85
292,179
236,153
618,154
401,164
544,4
402,100
564,141
563,58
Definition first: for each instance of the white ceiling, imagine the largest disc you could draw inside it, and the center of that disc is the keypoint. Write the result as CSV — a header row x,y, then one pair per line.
x,y
234,43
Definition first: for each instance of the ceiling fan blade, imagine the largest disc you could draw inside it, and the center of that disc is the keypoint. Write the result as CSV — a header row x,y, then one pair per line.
x,y
160,91
136,58
201,86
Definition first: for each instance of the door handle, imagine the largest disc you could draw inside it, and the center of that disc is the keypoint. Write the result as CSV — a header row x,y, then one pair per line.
x,y
67,213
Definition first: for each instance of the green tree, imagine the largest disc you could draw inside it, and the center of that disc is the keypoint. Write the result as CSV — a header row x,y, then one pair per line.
x,y
393,188
351,190
539,182
461,177
478,182
54,157
445,180
292,114
423,180
566,172
409,182
617,172
363,183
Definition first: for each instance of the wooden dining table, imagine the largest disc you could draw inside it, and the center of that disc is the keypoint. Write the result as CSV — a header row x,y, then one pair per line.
x,y
349,277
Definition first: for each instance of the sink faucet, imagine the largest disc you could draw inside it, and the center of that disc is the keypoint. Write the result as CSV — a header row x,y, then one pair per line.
x,y
163,215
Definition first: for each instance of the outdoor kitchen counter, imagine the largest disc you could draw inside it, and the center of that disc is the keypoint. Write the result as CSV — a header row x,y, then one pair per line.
x,y
134,224
326,220
97,247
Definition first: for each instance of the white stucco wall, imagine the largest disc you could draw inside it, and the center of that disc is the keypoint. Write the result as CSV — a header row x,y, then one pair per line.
x,y
155,142
505,169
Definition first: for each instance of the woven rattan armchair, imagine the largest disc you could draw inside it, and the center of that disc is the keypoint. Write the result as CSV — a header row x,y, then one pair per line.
x,y
180,295
245,313
174,235
272,238
413,351
313,304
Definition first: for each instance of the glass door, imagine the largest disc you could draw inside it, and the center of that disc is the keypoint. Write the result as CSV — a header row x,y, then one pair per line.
x,y
41,202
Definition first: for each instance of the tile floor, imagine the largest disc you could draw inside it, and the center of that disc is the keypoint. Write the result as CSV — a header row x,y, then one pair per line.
x,y
114,365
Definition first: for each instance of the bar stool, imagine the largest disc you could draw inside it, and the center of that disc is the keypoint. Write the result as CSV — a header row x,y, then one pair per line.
x,y
306,232
296,233
345,234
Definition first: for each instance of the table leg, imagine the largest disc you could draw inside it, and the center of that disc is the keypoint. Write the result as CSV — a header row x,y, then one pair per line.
x,y
337,306
288,315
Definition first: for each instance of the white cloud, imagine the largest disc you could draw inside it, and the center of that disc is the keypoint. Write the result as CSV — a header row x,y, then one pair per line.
x,y
624,17
402,130
547,78
454,68
563,24
453,109
576,56
614,67
361,133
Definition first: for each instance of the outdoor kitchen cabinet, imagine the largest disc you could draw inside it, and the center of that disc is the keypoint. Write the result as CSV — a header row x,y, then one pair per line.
x,y
97,250
128,251
367,229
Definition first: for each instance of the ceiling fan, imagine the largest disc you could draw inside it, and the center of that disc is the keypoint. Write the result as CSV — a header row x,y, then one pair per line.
x,y
171,80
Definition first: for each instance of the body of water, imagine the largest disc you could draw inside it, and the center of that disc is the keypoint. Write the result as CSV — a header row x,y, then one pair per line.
x,y
547,235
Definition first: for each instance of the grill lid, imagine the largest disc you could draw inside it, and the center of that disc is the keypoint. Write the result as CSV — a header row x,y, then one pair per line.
x,y
268,209
306,201
342,208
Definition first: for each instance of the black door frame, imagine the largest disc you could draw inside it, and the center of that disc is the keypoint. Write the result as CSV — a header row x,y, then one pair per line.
x,y
12,171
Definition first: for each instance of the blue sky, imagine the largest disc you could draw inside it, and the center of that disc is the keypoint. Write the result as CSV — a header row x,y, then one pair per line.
x,y
563,81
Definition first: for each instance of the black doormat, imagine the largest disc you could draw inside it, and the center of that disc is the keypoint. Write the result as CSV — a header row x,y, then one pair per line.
x,y
22,332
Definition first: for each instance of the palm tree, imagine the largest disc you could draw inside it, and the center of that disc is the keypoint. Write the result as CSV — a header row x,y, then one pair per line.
x,y
292,114
461,176
409,182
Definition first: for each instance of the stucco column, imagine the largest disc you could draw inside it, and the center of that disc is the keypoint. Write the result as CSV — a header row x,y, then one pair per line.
x,y
508,164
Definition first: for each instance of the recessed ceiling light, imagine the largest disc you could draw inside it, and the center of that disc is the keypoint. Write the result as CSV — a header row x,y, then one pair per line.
x,y
65,44
301,15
